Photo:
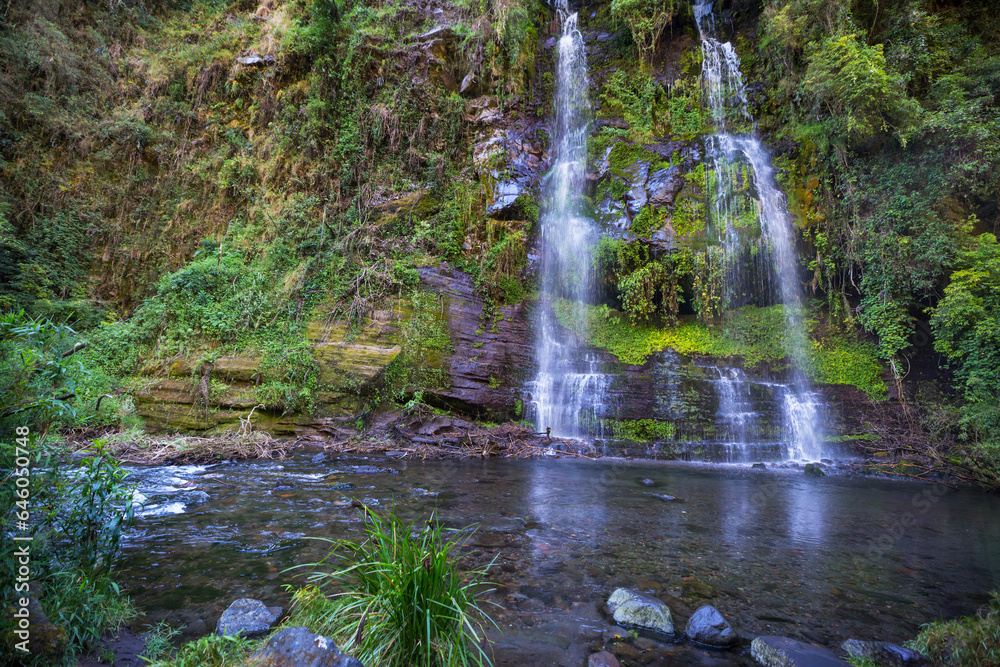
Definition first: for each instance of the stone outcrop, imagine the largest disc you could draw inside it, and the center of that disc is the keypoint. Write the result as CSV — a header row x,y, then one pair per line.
x,y
248,618
785,652
296,647
641,611
492,356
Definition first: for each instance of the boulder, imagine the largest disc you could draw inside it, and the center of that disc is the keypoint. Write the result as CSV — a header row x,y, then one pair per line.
x,y
642,611
248,618
295,647
707,626
43,636
814,470
785,652
884,654
602,659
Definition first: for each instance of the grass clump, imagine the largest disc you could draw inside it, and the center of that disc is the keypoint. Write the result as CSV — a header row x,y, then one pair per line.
x,y
972,641
210,651
399,599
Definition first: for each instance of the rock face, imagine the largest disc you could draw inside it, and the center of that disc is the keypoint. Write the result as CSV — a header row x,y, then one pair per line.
x,y
44,637
785,652
297,647
248,618
635,609
487,369
885,654
707,626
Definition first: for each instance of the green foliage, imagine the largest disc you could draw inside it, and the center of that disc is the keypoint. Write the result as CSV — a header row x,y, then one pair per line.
x,y
36,380
640,430
87,605
646,20
860,96
973,641
400,599
966,326
159,642
838,360
97,508
211,651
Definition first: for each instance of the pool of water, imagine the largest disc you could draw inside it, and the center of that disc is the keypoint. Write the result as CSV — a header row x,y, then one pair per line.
x,y
775,551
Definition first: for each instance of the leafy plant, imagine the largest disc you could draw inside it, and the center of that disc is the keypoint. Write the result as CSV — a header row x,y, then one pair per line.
x,y
98,508
210,651
400,600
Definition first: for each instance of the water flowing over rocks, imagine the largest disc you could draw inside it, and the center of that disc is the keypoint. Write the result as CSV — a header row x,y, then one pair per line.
x,y
297,647
642,611
785,652
707,626
248,618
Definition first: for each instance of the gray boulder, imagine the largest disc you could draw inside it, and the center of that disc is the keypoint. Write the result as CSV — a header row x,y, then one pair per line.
x,y
663,186
785,652
707,626
297,647
642,611
885,654
248,618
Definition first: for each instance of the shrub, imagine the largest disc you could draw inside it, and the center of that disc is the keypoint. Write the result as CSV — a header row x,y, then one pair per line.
x,y
401,600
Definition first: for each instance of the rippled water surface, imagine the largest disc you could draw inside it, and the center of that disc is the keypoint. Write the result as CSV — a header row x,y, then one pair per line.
x,y
776,552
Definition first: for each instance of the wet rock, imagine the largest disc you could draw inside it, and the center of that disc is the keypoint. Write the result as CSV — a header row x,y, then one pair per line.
x,y
884,654
615,634
663,186
632,608
665,498
318,458
648,482
248,618
297,646
785,652
813,470
707,626
627,652
602,659
636,197
759,466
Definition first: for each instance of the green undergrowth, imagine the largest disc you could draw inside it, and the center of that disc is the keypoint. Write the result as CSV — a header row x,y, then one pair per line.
x,y
972,641
756,335
397,597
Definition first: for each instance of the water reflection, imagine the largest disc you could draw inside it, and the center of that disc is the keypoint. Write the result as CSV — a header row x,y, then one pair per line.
x,y
778,554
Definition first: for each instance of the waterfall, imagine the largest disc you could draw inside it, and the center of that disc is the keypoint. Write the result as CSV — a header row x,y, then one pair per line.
x,y
568,391
735,159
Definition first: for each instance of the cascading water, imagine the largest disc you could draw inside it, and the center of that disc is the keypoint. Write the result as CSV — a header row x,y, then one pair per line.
x,y
739,160
568,391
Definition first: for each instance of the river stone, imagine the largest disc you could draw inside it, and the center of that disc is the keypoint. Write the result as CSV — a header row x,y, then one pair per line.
x,y
785,652
643,611
884,654
814,470
248,618
295,647
602,659
707,626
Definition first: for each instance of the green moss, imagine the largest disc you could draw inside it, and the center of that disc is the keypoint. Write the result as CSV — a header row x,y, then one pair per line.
x,y
840,361
624,155
640,430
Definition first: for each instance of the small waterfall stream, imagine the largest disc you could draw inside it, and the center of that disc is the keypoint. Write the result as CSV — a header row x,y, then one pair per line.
x,y
568,391
736,159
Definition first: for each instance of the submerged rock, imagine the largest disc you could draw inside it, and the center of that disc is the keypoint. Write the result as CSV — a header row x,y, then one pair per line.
x,y
602,659
248,618
707,626
785,652
884,654
297,646
632,608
